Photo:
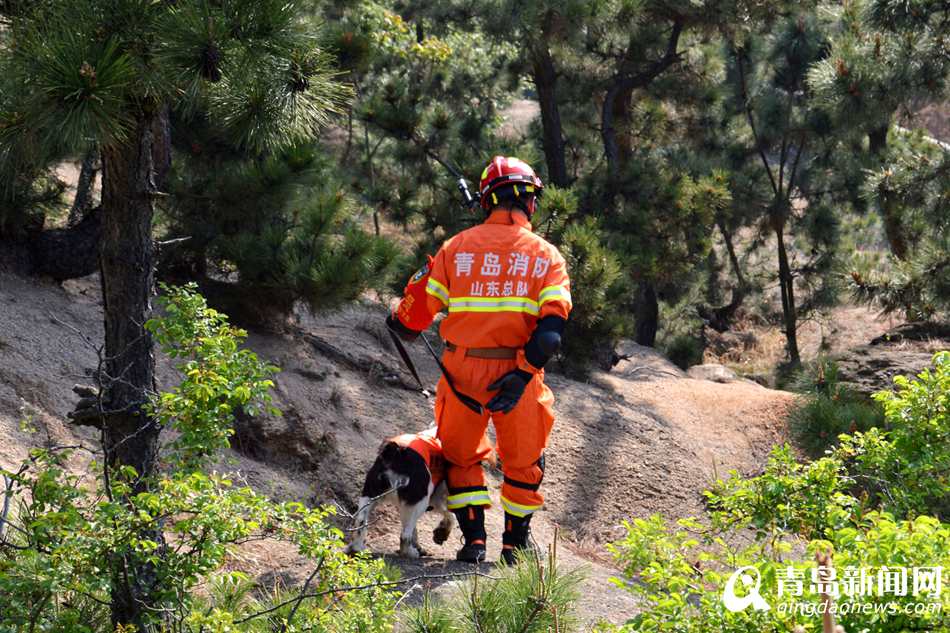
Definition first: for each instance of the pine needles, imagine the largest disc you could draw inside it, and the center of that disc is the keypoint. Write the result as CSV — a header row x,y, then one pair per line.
x,y
534,596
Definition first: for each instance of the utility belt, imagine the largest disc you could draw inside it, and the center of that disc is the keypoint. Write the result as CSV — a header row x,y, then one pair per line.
x,y
499,353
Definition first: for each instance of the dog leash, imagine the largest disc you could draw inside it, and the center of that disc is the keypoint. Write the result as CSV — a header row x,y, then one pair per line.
x,y
468,401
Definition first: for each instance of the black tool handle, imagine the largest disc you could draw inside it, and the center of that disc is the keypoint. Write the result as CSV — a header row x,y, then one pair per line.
x,y
467,197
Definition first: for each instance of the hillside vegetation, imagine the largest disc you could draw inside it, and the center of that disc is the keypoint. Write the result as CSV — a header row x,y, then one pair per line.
x,y
208,209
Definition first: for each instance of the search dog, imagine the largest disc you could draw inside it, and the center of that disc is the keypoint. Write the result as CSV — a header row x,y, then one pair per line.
x,y
409,471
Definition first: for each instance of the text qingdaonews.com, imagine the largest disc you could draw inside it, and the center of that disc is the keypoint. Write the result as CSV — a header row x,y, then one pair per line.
x,y
866,608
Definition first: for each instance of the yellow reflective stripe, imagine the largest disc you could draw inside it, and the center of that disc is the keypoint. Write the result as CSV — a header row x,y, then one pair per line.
x,y
553,292
501,304
437,290
468,499
526,309
491,300
483,492
438,285
517,509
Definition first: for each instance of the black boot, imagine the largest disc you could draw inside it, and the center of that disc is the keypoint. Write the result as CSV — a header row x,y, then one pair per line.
x,y
472,524
517,536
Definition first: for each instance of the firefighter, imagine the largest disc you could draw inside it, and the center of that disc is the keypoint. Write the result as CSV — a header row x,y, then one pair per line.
x,y
508,298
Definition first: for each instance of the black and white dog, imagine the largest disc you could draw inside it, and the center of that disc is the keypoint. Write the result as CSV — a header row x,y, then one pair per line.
x,y
410,471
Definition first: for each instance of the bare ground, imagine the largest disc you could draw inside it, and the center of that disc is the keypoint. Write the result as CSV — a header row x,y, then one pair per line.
x,y
642,439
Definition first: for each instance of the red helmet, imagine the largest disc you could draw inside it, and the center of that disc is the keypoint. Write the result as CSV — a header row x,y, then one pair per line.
x,y
507,170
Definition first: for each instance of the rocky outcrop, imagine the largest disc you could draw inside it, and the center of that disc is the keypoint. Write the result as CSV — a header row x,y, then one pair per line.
x,y
869,368
902,351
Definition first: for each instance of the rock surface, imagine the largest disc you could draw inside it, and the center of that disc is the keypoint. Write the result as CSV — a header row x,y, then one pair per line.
x,y
901,351
713,372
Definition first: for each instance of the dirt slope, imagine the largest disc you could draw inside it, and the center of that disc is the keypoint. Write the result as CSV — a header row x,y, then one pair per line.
x,y
642,439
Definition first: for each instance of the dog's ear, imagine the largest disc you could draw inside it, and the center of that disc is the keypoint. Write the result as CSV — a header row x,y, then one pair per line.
x,y
389,452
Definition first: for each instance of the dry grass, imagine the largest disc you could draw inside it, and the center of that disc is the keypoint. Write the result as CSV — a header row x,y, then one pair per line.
x,y
589,548
843,328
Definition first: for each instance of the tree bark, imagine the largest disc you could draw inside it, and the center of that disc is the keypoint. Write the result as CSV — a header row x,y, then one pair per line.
x,y
87,178
894,228
545,80
130,435
647,315
789,312
721,318
161,148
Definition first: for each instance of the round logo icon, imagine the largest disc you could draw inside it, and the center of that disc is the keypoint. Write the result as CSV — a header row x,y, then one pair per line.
x,y
751,581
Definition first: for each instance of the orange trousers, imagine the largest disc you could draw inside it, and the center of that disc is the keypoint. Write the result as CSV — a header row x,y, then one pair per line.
x,y
521,434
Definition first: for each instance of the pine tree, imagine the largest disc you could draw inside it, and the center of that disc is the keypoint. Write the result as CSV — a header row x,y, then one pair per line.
x,y
264,232
886,59
106,72
783,159
647,65
917,182
544,33
420,103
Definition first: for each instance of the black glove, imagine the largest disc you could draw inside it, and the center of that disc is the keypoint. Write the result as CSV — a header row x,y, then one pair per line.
x,y
395,325
512,386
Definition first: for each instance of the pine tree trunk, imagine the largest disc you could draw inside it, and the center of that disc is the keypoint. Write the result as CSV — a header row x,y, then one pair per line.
x,y
721,318
87,177
545,80
894,228
130,436
787,285
733,259
647,315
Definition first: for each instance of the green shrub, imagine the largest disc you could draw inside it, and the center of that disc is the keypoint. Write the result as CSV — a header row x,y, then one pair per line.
x,y
820,420
906,468
680,571
684,351
600,291
65,530
865,503
804,499
829,409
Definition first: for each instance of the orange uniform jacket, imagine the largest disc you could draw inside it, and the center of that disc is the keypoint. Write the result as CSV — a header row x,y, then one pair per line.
x,y
496,280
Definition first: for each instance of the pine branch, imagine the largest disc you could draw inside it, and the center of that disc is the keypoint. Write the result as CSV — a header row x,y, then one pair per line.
x,y
747,107
623,83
